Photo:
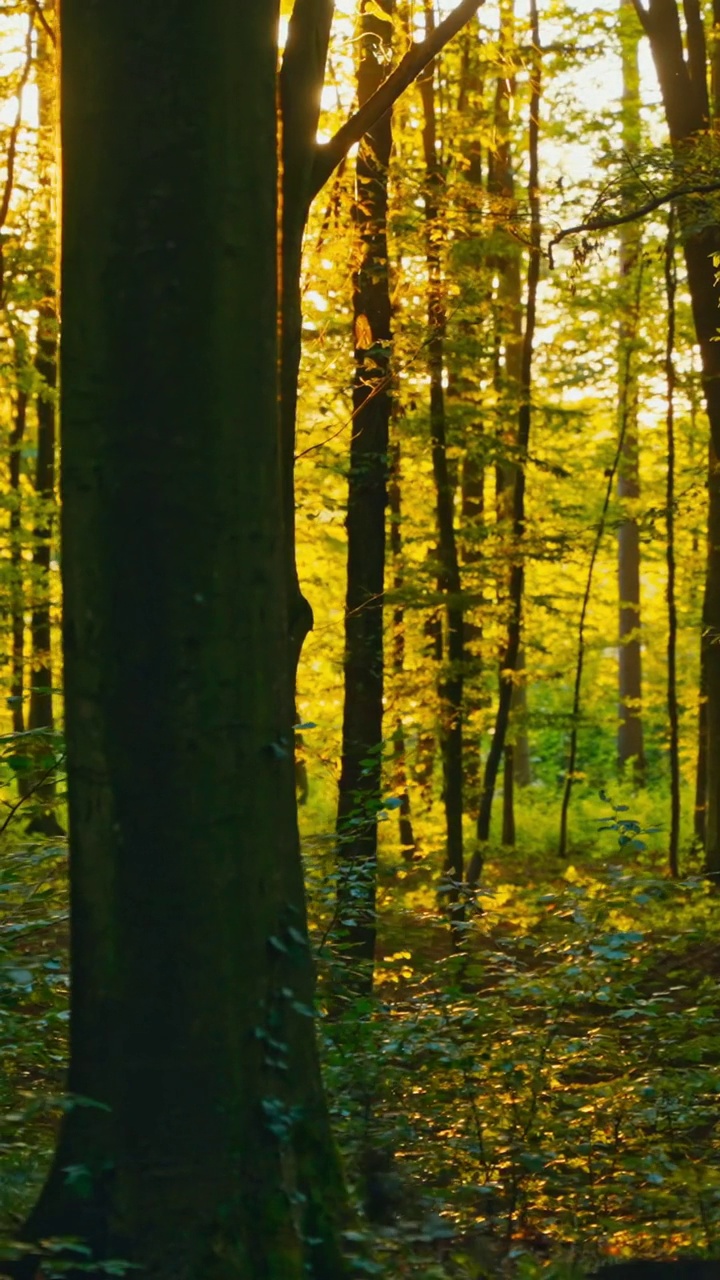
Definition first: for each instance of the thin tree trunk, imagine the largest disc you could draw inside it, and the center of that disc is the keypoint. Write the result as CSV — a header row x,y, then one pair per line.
x,y
361,770
17,585
472,493
710,636
522,769
451,682
301,79
41,716
630,726
517,573
710,744
506,377
700,809
673,717
424,765
508,814
302,782
469,357
203,1141
407,837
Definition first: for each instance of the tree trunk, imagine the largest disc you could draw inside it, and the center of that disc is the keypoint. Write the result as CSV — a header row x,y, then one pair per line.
x,y
700,809
199,1141
711,667
710,637
361,771
630,726
40,781
451,681
17,585
672,698
511,652
424,767
683,78
508,815
472,495
407,837
301,79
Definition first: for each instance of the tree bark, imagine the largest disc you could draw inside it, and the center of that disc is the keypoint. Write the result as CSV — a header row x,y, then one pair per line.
x,y
711,670
17,585
406,833
361,770
672,698
630,727
301,80
682,70
452,676
199,1132
511,652
710,636
41,714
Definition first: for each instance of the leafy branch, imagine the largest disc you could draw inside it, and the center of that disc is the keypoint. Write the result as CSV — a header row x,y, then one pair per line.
x,y
605,221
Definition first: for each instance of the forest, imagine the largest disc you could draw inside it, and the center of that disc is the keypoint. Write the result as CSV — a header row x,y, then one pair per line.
x,y
360,639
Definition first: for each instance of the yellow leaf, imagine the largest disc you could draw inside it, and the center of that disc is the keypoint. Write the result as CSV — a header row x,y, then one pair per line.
x,y
363,333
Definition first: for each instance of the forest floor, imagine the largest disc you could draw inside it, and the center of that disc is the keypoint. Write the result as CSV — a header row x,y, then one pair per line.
x,y
548,1098
543,1099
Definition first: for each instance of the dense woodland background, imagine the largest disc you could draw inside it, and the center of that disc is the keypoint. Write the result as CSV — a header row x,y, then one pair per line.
x,y
508,765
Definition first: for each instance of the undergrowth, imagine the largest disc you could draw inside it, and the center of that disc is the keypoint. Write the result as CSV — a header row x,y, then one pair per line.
x,y
543,1099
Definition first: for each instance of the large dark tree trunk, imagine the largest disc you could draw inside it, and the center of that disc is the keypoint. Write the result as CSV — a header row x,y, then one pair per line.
x,y
452,675
200,1130
630,726
361,770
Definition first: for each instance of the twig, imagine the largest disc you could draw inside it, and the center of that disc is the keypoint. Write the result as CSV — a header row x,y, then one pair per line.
x,y
31,791
12,144
40,14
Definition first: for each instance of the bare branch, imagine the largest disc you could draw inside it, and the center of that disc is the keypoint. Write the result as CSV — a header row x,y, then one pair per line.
x,y
40,15
603,222
13,142
329,154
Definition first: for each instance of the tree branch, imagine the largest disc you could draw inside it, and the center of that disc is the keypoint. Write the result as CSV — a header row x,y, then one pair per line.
x,y
12,147
643,15
329,154
40,15
603,222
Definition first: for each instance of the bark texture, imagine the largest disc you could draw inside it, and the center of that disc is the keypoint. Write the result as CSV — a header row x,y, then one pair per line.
x,y
511,653
630,727
200,1123
683,70
361,769
407,837
452,674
